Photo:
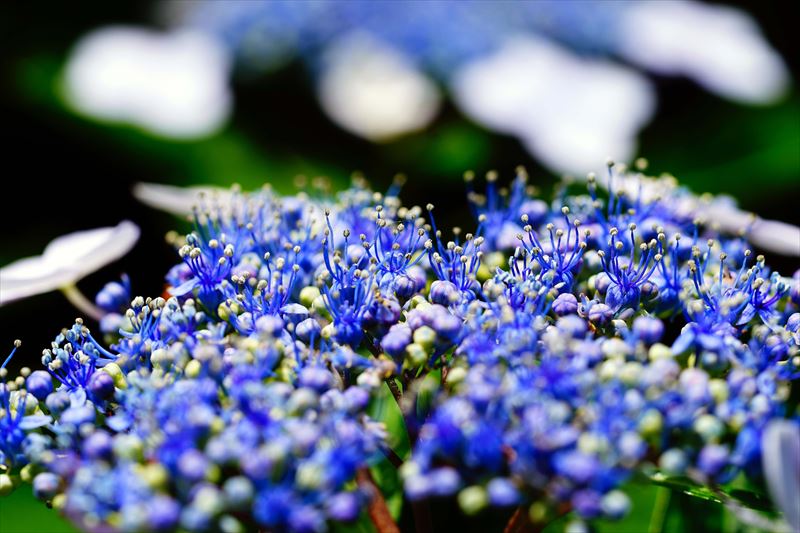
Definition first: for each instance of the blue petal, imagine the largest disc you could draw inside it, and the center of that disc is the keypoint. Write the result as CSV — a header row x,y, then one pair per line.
x,y
34,421
709,342
77,397
747,315
118,422
185,287
683,342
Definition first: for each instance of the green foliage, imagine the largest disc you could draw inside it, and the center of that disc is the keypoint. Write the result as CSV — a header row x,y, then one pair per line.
x,y
362,525
225,157
20,512
384,408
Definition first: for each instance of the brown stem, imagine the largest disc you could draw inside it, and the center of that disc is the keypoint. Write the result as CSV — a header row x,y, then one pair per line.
x,y
398,396
519,522
378,511
369,342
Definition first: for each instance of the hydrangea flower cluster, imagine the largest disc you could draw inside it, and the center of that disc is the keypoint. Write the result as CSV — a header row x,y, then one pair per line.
x,y
537,363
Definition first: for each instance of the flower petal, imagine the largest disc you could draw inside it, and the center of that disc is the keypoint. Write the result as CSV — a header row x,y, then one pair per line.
x,y
719,47
185,287
173,84
34,421
771,235
88,251
177,200
30,276
373,90
775,236
683,342
66,260
569,111
780,445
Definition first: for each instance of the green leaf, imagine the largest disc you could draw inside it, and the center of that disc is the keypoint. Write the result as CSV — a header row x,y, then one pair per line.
x,y
21,512
690,514
644,498
384,408
686,486
752,500
388,481
737,490
426,395
362,525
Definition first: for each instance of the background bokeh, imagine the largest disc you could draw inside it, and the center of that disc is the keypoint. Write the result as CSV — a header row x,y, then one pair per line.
x,y
64,172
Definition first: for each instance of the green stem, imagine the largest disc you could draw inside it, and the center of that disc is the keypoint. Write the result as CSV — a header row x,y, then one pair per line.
x,y
77,298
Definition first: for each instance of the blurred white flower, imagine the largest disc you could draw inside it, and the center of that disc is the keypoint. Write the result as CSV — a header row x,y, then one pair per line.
x,y
172,84
721,48
770,235
178,200
775,236
65,261
780,453
373,90
368,60
570,112
719,211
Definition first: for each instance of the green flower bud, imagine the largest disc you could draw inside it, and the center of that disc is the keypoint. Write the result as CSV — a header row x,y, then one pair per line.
x,y
209,500
127,446
308,295
58,501
425,337
456,375
28,472
302,400
113,370
719,390
328,332
630,373
192,369
651,423
709,427
419,302
659,351
473,499
309,476
6,485
416,355
155,475
229,524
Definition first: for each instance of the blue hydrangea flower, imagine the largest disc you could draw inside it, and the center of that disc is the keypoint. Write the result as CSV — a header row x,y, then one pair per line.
x,y
259,395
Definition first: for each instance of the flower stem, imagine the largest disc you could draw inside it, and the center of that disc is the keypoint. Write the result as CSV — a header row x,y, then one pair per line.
x,y
378,511
398,396
77,298
369,342
519,522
